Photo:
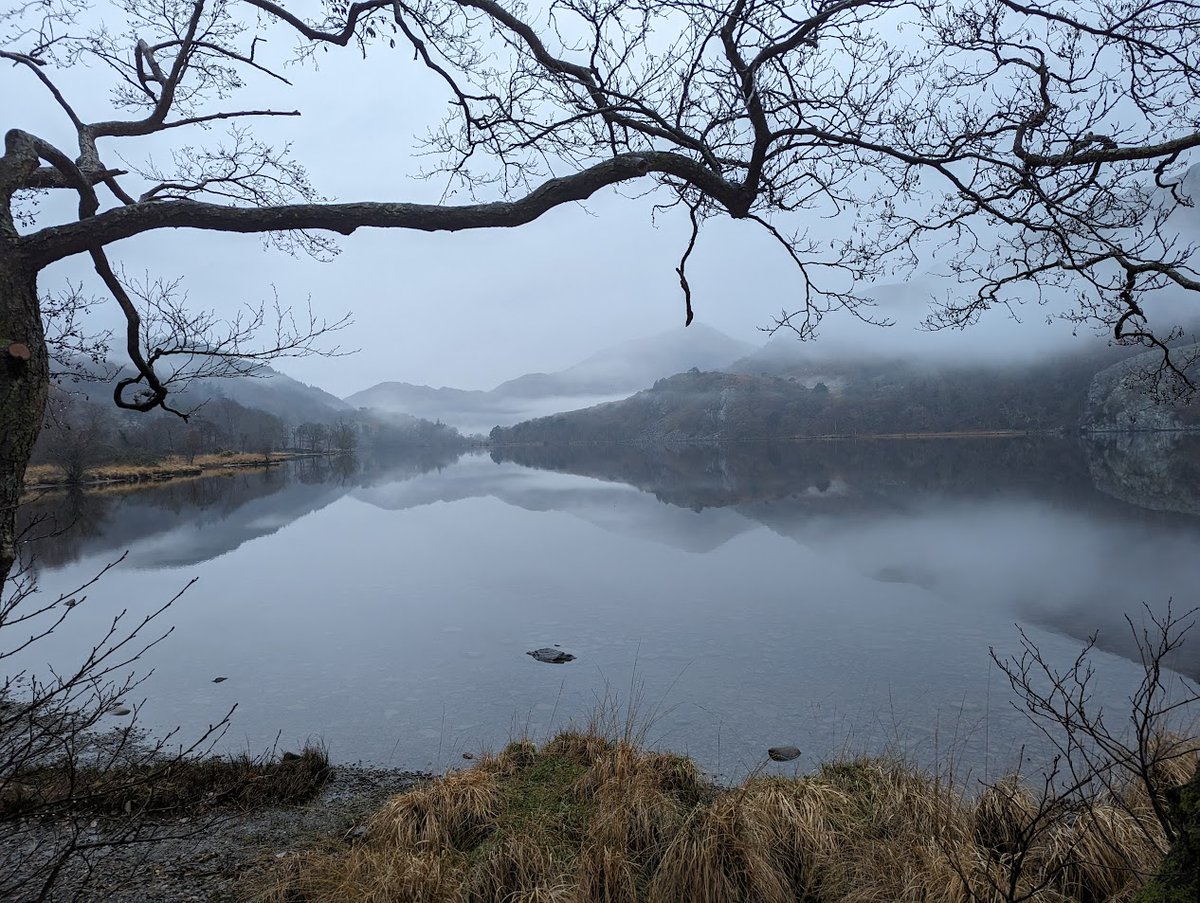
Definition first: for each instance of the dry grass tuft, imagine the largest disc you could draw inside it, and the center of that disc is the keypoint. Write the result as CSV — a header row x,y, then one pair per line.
x,y
1003,815
557,893
796,821
642,823
455,812
719,854
1096,855
622,766
866,830
582,748
1171,761
605,874
515,756
641,800
1092,852
516,866
891,798
366,874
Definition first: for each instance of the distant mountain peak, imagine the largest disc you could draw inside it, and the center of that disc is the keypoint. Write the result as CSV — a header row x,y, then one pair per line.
x,y
611,373
635,364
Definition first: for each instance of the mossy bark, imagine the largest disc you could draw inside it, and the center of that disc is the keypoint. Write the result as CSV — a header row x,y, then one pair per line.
x,y
24,381
1178,878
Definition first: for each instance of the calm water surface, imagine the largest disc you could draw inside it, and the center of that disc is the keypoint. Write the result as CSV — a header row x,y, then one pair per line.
x,y
838,596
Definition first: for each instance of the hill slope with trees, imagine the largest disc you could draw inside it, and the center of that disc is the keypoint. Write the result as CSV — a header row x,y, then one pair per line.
x,y
828,398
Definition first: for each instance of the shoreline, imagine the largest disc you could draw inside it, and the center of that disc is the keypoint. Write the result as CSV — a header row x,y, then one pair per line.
x,y
45,478
529,818
211,860
49,476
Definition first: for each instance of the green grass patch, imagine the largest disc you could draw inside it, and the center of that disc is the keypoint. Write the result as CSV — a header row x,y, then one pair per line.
x,y
539,799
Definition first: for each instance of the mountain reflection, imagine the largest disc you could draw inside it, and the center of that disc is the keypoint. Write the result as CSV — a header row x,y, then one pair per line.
x,y
1066,533
179,523
1159,471
818,475
973,521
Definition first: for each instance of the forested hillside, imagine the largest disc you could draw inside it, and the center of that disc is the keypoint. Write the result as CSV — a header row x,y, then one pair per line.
x,y
836,399
259,416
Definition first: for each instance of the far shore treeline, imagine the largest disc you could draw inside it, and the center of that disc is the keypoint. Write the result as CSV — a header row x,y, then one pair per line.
x,y
765,395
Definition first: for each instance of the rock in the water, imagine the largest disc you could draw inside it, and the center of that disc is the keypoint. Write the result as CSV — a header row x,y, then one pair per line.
x,y
218,680
783,753
551,655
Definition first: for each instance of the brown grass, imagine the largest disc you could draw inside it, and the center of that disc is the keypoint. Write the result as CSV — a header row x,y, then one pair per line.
x,y
1172,760
43,475
171,467
454,813
518,865
361,873
1003,817
587,819
1094,854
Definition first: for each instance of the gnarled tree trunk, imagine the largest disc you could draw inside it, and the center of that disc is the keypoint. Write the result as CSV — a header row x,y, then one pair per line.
x,y
24,380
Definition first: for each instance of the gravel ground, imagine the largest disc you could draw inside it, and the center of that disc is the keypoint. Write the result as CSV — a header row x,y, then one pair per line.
x,y
175,867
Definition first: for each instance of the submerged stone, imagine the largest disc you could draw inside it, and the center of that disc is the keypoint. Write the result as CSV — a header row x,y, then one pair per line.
x,y
551,655
783,753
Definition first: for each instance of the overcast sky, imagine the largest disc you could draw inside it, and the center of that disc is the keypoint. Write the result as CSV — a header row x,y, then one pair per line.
x,y
471,309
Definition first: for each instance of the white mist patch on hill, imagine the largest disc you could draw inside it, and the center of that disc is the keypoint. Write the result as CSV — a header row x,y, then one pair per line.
x,y
608,375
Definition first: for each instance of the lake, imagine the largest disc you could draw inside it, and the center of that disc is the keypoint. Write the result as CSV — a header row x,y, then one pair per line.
x,y
839,596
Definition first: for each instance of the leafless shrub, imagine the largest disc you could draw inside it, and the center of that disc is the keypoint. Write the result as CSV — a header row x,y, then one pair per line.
x,y
1098,821
79,779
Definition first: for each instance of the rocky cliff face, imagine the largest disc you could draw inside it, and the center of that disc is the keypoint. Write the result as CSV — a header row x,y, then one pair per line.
x,y
1123,397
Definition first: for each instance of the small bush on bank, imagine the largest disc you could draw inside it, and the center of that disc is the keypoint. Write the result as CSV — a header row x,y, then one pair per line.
x,y
178,786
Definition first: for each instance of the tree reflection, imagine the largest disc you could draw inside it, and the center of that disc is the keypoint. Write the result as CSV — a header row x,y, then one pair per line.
x,y
62,526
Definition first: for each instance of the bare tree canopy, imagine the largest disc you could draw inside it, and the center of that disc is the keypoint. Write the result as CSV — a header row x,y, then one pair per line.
x,y
1026,147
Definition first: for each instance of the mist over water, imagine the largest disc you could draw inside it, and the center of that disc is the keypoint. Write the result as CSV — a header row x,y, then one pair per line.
x,y
838,596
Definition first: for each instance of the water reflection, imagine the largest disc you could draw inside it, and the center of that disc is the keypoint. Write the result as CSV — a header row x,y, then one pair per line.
x,y
816,593
866,475
1012,522
1159,471
188,521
